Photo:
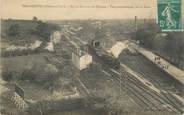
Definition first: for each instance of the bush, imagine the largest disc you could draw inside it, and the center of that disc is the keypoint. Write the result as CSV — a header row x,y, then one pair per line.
x,y
147,34
45,29
7,76
14,30
11,76
27,75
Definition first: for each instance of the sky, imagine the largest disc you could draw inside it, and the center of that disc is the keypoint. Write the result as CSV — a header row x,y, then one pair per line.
x,y
54,9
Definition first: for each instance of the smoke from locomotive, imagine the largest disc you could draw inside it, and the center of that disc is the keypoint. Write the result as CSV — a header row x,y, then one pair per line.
x,y
103,55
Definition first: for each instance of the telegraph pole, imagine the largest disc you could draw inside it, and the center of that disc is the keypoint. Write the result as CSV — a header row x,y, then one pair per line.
x,y
136,23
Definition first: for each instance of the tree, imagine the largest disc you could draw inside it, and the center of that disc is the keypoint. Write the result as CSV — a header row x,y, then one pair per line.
x,y
147,34
35,18
42,30
14,30
45,29
174,47
87,32
100,34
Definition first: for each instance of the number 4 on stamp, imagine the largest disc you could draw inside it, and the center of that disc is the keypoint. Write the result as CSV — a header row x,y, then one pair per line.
x,y
169,15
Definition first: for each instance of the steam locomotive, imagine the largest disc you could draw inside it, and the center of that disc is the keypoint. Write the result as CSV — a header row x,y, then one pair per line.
x,y
103,55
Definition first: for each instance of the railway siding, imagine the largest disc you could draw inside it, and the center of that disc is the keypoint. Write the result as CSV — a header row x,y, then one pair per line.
x,y
144,81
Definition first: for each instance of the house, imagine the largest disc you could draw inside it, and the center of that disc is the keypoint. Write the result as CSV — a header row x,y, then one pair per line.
x,y
55,37
81,59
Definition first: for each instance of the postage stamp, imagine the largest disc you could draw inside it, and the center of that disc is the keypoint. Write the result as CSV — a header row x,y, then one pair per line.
x,y
169,15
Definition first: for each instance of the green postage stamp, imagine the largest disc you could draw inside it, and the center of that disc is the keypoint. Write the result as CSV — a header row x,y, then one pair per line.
x,y
169,15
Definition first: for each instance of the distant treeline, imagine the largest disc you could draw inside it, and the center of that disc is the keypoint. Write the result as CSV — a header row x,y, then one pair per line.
x,y
23,29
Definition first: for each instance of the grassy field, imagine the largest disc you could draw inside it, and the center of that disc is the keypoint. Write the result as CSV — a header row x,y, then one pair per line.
x,y
20,63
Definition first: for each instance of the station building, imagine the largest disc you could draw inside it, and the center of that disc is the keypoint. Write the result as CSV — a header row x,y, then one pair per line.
x,y
81,59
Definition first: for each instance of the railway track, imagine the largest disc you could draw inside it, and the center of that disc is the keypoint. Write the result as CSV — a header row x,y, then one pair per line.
x,y
136,90
145,96
142,94
149,71
157,79
154,97
172,101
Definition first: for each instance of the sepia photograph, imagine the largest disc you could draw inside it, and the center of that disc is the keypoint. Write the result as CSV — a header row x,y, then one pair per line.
x,y
92,57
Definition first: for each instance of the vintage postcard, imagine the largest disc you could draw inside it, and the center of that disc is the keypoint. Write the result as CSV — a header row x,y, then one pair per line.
x,y
92,57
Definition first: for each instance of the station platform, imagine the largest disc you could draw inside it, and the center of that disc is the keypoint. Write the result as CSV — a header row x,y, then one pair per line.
x,y
169,68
